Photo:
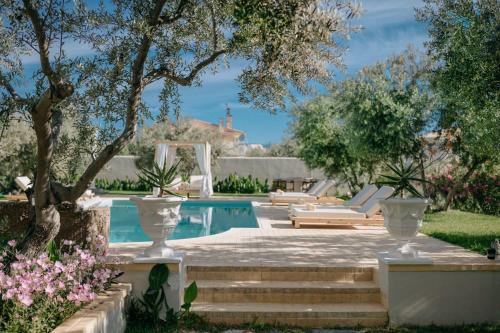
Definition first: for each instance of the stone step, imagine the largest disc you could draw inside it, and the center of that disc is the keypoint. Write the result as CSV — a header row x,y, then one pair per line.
x,y
302,315
317,292
254,273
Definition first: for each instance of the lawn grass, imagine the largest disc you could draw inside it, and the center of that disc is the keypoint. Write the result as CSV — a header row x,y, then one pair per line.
x,y
469,230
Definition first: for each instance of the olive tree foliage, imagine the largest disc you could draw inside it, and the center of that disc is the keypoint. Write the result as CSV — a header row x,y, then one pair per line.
x,y
387,106
135,43
18,154
323,142
465,42
376,116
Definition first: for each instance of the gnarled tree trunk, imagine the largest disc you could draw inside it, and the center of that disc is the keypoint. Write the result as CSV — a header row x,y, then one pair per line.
x,y
46,194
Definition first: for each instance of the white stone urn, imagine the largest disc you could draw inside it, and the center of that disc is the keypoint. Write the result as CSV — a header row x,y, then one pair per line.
x,y
403,220
158,217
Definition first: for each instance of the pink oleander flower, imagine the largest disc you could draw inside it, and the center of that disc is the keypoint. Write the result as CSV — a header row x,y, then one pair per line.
x,y
12,243
25,299
77,277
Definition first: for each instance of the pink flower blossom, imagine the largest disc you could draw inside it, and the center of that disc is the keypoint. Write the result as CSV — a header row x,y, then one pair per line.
x,y
76,277
25,299
12,243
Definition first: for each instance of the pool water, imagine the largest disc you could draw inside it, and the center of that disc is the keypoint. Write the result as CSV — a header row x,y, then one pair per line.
x,y
198,218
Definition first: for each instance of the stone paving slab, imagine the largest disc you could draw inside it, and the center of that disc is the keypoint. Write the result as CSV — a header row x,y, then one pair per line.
x,y
276,243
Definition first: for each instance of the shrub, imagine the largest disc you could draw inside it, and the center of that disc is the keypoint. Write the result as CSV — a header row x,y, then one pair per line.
x,y
481,194
123,185
237,184
38,293
153,303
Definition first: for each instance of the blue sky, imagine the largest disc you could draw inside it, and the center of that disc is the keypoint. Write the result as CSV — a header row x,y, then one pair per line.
x,y
389,26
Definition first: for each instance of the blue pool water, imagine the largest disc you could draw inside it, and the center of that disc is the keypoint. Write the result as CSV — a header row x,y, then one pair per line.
x,y
198,218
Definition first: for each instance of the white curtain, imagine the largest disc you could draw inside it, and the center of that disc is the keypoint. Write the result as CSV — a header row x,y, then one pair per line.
x,y
203,157
206,220
161,155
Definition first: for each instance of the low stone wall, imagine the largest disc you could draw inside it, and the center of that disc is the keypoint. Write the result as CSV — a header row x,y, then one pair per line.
x,y
440,294
76,224
104,315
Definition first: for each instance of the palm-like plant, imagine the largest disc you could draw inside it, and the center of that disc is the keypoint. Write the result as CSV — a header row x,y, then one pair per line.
x,y
160,177
403,178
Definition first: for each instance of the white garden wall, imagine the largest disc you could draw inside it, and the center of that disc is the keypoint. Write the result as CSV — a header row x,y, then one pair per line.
x,y
440,294
122,167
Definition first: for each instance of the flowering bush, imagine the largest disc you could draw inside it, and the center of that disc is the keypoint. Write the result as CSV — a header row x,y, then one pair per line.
x,y
481,194
38,293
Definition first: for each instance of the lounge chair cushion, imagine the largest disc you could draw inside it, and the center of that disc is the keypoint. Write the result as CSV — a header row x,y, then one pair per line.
x,y
313,189
334,213
295,198
279,195
362,196
321,190
372,205
316,186
23,182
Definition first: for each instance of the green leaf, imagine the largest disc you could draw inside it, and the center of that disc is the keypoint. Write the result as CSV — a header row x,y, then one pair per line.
x,y
191,293
158,276
53,251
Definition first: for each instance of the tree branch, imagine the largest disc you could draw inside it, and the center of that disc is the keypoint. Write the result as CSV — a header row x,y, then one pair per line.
x,y
185,80
43,45
10,89
130,128
174,17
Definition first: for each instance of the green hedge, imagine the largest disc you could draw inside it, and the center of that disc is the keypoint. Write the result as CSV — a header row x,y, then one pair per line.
x,y
122,185
238,184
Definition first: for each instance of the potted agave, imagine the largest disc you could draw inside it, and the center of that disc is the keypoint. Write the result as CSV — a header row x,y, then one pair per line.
x,y
404,210
159,214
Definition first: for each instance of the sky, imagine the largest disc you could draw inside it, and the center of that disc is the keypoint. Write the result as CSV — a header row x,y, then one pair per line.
x,y
389,26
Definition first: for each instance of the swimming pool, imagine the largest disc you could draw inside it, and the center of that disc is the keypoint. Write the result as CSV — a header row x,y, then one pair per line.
x,y
198,218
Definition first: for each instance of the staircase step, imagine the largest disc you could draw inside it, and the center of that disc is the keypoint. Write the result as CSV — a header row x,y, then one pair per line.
x,y
303,315
318,292
253,273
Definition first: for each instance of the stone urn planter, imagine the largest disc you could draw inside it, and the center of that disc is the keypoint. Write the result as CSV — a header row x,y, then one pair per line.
x,y
158,218
403,220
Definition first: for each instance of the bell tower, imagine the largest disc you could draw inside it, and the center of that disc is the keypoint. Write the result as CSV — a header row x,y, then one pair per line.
x,y
229,117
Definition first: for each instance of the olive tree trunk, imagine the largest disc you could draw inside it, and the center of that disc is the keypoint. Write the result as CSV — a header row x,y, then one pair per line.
x,y
47,194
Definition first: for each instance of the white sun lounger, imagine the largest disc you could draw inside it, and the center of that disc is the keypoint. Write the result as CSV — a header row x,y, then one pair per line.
x,y
311,191
355,202
192,187
23,182
318,195
367,214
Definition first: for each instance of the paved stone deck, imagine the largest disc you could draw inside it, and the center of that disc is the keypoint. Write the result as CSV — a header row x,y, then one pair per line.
x,y
277,243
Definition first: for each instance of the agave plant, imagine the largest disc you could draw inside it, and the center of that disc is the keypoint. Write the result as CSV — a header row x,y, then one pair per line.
x,y
160,177
403,178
